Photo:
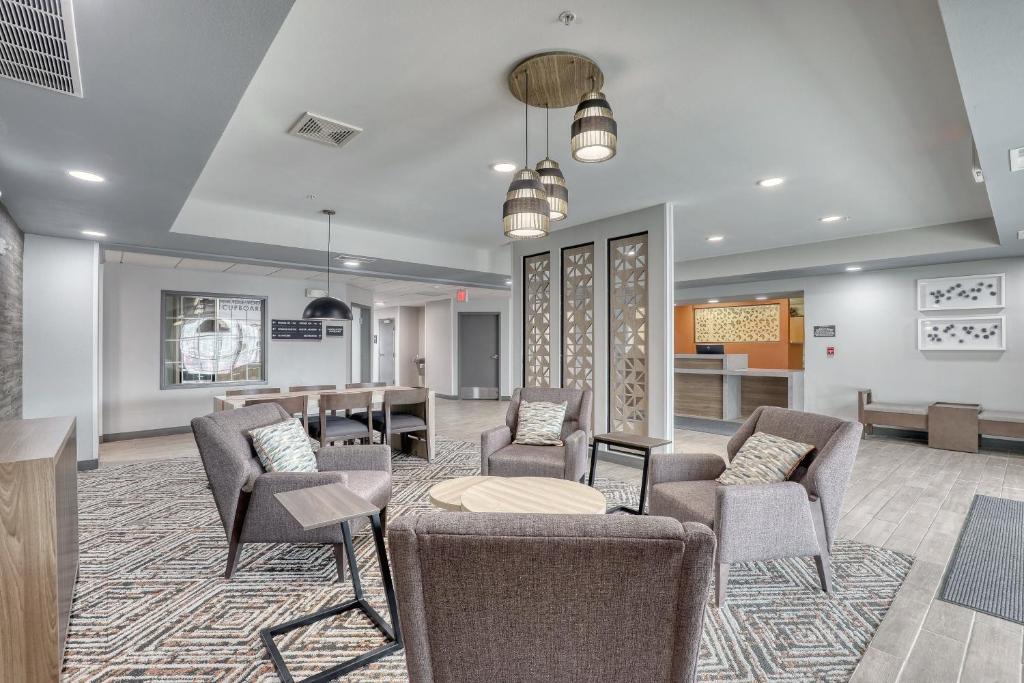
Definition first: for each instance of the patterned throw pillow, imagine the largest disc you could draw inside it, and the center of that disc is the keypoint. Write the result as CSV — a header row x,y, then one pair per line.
x,y
540,423
284,447
765,459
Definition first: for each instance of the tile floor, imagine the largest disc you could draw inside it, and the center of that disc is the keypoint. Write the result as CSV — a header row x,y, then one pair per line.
x,y
902,495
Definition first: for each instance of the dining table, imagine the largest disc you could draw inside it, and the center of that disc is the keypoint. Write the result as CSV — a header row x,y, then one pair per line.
x,y
420,448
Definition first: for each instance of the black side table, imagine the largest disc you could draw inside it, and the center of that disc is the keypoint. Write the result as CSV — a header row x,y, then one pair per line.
x,y
633,444
322,506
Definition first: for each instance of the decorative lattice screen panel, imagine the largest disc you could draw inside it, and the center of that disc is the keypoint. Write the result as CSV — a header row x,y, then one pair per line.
x,y
627,334
537,320
578,317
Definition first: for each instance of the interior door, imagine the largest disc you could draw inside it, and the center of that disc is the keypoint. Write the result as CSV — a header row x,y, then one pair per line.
x,y
386,350
479,356
363,329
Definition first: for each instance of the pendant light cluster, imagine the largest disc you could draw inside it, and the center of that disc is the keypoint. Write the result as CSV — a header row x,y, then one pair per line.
x,y
561,79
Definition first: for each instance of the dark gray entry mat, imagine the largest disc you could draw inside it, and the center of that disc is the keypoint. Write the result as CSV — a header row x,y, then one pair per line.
x,y
986,572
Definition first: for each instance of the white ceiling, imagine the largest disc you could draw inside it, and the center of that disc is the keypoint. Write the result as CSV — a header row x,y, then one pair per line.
x,y
856,103
386,291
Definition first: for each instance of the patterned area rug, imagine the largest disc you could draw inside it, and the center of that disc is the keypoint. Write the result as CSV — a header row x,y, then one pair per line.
x,y
151,603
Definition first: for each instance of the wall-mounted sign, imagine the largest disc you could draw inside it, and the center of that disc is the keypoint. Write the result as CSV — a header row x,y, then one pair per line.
x,y
461,295
824,330
311,330
335,331
830,352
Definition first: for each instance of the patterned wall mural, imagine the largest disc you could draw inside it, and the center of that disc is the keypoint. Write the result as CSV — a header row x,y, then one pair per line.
x,y
537,320
627,334
578,317
733,324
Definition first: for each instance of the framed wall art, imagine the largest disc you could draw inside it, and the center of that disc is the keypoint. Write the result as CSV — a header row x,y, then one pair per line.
x,y
963,292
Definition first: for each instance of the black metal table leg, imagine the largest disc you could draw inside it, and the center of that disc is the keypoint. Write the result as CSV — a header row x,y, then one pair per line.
x,y
643,483
593,463
392,634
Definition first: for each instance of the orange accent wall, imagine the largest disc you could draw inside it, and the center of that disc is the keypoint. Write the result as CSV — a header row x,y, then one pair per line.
x,y
772,355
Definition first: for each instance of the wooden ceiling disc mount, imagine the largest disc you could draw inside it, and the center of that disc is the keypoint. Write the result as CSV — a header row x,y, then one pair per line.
x,y
557,79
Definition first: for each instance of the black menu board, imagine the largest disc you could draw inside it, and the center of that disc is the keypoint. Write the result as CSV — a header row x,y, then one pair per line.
x,y
296,329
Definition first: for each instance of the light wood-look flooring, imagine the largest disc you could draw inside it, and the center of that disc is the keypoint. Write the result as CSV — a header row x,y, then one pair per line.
x,y
903,495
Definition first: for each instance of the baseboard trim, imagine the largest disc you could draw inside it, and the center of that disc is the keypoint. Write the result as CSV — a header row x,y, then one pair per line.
x,y
450,397
505,398
144,434
90,464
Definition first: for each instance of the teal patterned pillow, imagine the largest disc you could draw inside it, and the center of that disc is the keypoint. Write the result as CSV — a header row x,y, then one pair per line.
x,y
284,447
764,459
540,423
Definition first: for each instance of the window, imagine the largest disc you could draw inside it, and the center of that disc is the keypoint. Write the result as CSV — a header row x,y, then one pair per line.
x,y
212,339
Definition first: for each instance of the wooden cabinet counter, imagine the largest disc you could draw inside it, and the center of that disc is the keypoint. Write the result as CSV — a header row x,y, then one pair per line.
x,y
38,545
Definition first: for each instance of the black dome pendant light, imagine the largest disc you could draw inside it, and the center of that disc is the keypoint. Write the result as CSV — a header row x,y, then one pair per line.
x,y
327,307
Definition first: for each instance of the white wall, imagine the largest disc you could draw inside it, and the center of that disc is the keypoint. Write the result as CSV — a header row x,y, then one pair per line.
x,y
438,347
875,313
132,398
62,334
503,307
657,222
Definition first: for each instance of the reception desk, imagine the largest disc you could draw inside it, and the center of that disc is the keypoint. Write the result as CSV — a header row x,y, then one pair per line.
x,y
722,387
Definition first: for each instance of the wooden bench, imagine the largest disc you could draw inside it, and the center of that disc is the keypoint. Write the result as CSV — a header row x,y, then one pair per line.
x,y
1003,423
950,426
903,415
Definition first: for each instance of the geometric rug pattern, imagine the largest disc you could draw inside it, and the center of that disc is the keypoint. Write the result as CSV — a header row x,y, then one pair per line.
x,y
151,602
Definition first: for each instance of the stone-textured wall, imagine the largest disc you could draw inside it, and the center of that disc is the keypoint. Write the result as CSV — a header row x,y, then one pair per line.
x,y
12,248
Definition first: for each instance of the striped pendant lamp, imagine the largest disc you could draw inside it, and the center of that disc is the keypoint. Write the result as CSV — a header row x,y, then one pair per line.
x,y
558,192
594,131
525,214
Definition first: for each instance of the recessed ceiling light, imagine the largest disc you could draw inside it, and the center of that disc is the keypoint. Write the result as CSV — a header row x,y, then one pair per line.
x,y
716,238
833,219
351,263
86,176
378,303
712,301
761,298
503,167
508,282
770,182
94,233
853,269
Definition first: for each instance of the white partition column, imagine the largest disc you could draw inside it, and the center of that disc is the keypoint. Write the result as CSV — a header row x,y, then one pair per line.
x,y
656,222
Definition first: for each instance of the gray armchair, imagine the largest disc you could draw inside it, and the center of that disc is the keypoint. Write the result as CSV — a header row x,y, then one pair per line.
x,y
794,518
244,492
517,597
500,457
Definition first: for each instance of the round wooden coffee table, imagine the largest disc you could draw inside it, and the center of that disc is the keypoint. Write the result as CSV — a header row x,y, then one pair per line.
x,y
518,494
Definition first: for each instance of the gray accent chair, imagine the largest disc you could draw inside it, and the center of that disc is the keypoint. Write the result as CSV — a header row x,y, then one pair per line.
x,y
244,492
794,518
500,457
528,597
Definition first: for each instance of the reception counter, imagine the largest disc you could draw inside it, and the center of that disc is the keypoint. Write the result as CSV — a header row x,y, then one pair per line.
x,y
721,386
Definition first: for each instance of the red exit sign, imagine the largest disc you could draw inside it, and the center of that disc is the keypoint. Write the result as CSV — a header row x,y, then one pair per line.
x,y
461,295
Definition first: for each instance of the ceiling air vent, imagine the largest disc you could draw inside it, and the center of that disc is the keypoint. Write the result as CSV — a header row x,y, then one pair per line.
x,y
38,46
324,130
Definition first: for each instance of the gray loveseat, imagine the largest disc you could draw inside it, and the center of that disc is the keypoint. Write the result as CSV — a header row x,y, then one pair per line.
x,y
244,492
794,518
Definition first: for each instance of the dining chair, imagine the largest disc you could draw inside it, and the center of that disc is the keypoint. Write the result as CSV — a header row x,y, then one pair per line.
x,y
411,418
294,405
315,417
365,385
330,427
252,392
